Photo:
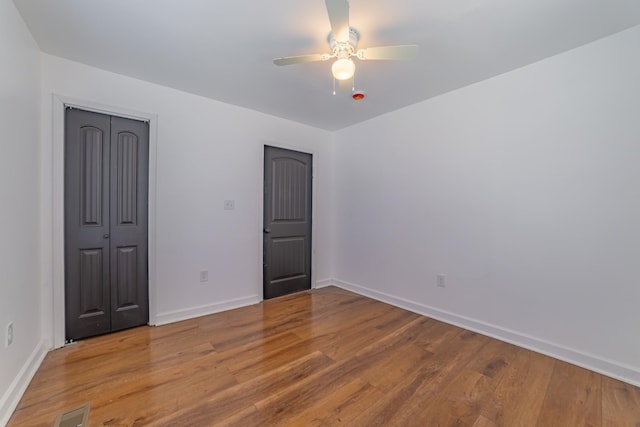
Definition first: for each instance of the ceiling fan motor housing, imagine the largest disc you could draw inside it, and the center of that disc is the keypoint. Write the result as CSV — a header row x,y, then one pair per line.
x,y
344,49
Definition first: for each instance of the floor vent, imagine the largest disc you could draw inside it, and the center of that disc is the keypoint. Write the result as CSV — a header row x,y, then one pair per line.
x,y
78,417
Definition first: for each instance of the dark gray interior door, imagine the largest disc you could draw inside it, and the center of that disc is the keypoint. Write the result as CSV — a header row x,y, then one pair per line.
x,y
287,221
87,294
128,219
106,186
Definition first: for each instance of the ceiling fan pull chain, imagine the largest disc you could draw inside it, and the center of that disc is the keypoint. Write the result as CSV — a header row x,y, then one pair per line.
x,y
334,86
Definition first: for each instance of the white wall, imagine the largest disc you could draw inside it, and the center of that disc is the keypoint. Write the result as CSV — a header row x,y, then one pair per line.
x,y
207,152
19,206
523,190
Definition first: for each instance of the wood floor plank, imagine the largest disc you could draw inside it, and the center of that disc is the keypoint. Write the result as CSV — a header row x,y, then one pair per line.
x,y
338,408
249,351
394,318
342,318
391,369
523,388
405,402
327,357
435,333
620,403
469,394
245,417
207,410
269,358
297,398
459,402
173,386
573,398
484,422
302,395
345,344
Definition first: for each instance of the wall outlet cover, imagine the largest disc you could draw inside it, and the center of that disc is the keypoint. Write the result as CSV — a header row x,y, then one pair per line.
x,y
8,337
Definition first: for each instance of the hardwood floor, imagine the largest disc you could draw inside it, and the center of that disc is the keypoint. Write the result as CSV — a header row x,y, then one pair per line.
x,y
321,358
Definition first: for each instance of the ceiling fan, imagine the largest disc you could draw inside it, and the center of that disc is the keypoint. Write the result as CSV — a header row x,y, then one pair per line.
x,y
343,42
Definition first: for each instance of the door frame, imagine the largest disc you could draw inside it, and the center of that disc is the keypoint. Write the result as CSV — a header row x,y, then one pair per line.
x,y
314,206
60,103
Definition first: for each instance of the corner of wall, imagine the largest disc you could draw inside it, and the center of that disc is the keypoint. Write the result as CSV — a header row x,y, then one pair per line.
x,y
323,283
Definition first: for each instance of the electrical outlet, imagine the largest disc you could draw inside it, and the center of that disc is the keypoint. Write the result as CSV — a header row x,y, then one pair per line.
x,y
229,205
440,280
8,339
204,275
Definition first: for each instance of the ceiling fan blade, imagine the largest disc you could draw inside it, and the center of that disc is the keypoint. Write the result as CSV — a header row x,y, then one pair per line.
x,y
409,51
289,60
338,11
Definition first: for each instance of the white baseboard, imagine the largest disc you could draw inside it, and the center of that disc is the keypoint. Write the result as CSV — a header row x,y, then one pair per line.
x,y
594,363
323,283
203,310
13,394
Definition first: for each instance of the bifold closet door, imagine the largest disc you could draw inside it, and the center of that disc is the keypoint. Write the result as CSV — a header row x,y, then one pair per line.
x,y
106,188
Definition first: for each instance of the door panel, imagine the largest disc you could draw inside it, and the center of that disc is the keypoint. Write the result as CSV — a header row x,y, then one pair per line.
x,y
127,278
106,181
91,175
129,183
92,302
287,222
127,177
290,252
87,308
289,202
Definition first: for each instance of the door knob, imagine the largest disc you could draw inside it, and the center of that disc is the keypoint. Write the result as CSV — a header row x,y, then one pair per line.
x,y
267,230
106,236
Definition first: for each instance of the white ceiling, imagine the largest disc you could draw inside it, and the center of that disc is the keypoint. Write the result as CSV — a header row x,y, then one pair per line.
x,y
224,50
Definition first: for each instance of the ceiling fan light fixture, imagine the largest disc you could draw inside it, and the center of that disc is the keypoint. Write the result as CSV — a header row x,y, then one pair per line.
x,y
343,69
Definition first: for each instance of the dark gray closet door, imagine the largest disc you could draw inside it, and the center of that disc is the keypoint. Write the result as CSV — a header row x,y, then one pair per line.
x,y
287,221
87,293
106,180
128,230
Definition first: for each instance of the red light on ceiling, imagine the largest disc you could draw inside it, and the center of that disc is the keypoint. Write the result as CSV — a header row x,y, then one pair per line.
x,y
358,96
